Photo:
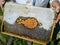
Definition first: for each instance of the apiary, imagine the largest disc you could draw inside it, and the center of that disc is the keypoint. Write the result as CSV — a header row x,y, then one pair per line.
x,y
28,22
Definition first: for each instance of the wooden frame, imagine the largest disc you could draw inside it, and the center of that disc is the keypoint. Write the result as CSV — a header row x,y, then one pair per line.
x,y
40,42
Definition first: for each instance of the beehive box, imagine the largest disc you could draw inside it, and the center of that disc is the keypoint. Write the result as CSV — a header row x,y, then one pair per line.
x,y
28,22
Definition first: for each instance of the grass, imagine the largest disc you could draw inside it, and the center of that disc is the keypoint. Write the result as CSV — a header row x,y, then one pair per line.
x,y
5,38
0,12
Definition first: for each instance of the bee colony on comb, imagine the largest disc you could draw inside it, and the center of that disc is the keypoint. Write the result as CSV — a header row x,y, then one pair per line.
x,y
28,21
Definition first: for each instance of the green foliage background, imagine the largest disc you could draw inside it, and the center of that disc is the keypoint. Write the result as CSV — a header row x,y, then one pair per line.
x,y
4,39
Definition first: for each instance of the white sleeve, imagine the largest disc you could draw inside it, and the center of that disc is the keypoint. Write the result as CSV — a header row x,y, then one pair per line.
x,y
28,2
52,1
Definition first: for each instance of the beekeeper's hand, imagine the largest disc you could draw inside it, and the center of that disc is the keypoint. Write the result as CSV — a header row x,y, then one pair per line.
x,y
2,2
55,5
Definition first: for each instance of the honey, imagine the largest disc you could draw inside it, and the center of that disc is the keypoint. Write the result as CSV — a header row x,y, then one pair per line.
x,y
29,23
